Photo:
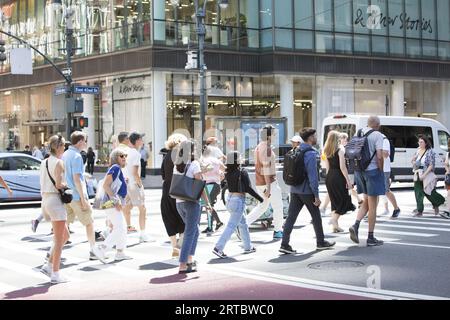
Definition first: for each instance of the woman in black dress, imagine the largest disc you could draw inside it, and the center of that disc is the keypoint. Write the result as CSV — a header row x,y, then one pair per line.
x,y
90,161
338,182
172,220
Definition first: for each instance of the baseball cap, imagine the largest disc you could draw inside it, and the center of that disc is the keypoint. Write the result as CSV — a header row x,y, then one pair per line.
x,y
297,139
134,136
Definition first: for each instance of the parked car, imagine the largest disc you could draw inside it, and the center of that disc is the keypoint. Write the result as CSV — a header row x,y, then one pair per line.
x,y
22,173
404,132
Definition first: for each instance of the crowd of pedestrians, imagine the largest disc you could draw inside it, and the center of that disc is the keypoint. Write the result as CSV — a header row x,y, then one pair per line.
x,y
183,160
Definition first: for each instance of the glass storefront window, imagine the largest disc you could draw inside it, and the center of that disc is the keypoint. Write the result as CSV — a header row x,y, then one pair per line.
x,y
443,25
304,40
229,32
324,15
397,46
379,26
303,103
324,42
283,38
361,44
343,16
413,48
429,15
343,43
249,24
360,15
413,98
304,15
395,10
379,45
429,49
266,24
371,96
412,7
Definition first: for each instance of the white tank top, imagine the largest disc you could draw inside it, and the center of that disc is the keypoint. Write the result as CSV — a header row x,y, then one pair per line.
x,y
46,184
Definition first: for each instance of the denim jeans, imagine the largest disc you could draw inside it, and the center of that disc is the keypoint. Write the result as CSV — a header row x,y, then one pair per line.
x,y
190,214
236,206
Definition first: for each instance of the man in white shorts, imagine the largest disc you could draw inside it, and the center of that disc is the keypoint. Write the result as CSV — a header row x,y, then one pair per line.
x,y
136,195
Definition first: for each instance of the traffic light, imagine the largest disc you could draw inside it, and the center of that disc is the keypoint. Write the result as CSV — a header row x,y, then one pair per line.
x,y
80,123
2,51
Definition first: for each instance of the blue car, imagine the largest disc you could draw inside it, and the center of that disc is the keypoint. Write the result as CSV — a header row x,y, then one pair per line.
x,y
22,173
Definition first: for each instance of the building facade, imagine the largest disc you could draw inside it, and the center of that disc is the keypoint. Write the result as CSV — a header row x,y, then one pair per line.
x,y
287,62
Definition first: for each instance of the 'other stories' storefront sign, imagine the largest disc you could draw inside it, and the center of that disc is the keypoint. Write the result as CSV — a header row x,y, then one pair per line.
x,y
374,19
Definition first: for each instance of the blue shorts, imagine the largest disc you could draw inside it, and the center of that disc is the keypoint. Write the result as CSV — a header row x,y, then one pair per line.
x,y
370,182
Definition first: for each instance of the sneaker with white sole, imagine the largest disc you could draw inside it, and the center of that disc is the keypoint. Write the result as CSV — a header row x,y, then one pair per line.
x,y
58,278
287,250
219,253
251,250
99,253
145,238
445,215
120,256
46,269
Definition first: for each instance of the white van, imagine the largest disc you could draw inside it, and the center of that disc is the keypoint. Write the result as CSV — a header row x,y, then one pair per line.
x,y
403,132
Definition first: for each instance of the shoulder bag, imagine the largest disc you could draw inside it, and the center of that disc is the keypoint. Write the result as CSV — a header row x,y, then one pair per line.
x,y
65,195
186,188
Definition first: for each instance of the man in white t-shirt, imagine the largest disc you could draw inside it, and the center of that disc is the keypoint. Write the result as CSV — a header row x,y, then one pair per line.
x,y
135,196
387,177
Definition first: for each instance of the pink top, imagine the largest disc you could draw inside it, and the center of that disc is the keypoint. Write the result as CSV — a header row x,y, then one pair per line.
x,y
211,169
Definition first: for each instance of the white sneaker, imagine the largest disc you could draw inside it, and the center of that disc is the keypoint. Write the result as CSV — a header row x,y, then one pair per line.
x,y
58,278
120,256
46,269
99,252
145,238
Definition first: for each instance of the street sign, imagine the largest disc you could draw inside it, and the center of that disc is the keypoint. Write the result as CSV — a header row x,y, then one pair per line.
x,y
60,90
86,89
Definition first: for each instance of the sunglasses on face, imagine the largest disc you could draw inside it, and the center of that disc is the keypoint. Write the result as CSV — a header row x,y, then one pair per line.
x,y
123,156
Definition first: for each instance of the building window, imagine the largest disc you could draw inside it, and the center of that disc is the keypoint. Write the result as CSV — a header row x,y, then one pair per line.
x,y
443,25
304,15
413,48
343,16
395,10
324,15
343,43
360,16
379,45
361,44
397,46
304,40
324,42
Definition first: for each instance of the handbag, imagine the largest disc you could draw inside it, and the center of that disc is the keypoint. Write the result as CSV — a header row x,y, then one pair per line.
x,y
65,194
102,199
186,188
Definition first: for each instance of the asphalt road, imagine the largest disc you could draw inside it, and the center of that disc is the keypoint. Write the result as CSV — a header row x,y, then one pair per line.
x,y
413,263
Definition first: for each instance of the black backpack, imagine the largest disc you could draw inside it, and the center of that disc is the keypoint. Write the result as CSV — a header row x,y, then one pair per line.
x,y
357,152
294,171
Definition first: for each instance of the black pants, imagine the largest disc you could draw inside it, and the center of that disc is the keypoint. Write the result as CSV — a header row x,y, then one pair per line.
x,y
90,167
143,167
297,201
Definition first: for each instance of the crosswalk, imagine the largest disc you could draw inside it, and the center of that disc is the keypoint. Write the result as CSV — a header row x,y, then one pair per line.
x,y
22,252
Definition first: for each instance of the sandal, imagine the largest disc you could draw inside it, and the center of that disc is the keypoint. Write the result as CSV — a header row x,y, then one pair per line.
x,y
189,269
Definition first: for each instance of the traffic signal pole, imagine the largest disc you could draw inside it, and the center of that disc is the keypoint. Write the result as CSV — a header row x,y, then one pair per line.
x,y
69,52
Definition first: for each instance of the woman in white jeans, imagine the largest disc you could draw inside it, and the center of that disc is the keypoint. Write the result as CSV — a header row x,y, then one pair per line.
x,y
116,189
52,180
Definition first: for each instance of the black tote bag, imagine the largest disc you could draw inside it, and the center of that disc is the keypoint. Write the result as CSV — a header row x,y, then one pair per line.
x,y
185,188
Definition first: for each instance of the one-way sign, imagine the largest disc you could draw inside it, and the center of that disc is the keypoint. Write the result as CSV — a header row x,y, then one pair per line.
x,y
86,89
